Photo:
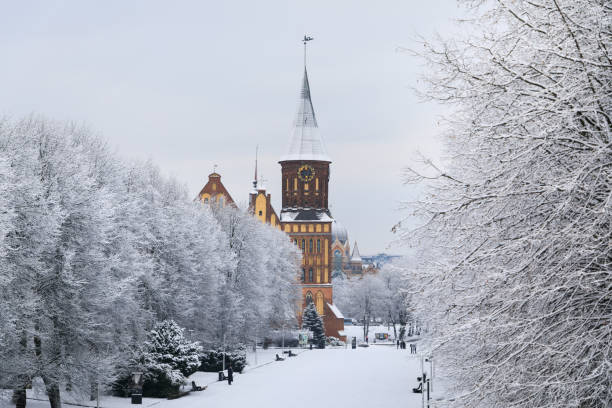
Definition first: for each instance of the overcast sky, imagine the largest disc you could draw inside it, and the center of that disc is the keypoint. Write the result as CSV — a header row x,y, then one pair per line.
x,y
190,84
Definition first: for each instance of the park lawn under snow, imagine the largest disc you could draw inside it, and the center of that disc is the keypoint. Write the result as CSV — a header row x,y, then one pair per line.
x,y
377,376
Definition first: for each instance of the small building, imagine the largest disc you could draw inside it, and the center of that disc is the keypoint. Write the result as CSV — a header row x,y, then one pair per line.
x,y
214,192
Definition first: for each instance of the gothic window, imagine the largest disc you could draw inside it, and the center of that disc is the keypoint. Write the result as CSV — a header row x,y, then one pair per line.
x,y
308,298
310,247
303,274
295,184
319,303
310,275
317,184
287,184
303,245
318,245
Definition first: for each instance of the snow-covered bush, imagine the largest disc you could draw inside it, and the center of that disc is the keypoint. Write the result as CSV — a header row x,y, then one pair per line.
x,y
165,360
334,341
212,360
167,346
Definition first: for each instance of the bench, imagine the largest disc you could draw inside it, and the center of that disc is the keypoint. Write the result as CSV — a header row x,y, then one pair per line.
x,y
195,387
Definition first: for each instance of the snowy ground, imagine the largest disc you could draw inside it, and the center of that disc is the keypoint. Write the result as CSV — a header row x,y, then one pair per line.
x,y
377,376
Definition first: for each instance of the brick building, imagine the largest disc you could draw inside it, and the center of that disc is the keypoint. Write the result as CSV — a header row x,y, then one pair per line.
x,y
305,214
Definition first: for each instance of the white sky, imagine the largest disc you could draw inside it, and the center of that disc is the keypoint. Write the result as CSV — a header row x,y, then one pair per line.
x,y
190,84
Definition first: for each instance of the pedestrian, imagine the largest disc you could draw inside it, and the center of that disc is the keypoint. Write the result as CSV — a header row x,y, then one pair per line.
x,y
230,375
415,349
366,339
398,344
411,348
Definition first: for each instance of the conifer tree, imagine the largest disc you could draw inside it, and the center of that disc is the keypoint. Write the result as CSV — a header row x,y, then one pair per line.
x,y
313,322
167,345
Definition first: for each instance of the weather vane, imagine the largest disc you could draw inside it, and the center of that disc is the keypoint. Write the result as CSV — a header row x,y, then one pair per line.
x,y
305,40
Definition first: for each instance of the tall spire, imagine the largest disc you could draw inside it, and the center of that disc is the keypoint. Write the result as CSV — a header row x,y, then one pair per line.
x,y
305,143
255,178
356,255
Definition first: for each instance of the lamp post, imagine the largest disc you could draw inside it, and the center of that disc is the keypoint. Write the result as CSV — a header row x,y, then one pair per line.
x,y
283,329
224,353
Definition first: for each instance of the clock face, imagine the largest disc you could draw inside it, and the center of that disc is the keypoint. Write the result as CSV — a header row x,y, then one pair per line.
x,y
306,172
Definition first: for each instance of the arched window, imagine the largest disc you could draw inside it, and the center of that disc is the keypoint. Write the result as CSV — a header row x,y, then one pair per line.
x,y
310,246
303,274
318,245
310,275
308,298
319,303
303,245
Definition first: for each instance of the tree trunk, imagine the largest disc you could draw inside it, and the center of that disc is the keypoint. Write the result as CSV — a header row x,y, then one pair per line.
x,y
19,398
53,391
93,392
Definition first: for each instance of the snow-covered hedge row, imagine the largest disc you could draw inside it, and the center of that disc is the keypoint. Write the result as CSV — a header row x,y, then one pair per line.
x,y
94,250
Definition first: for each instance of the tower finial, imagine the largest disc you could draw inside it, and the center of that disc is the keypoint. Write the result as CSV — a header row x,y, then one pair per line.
x,y
305,40
255,179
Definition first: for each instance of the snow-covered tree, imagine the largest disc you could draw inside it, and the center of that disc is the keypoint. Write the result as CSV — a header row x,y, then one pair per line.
x,y
515,273
394,302
166,344
313,322
362,299
94,251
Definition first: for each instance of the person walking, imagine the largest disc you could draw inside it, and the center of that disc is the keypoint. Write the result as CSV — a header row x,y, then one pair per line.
x,y
398,344
230,375
415,348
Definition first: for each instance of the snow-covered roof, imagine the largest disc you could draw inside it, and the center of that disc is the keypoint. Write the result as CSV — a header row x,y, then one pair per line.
x,y
305,214
335,311
306,142
356,256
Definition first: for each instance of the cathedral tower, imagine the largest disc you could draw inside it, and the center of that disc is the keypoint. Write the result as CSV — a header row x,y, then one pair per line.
x,y
305,214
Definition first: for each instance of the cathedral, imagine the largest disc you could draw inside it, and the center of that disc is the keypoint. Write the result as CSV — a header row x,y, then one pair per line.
x,y
305,215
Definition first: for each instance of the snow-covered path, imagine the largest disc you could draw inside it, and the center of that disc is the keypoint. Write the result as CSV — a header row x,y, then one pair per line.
x,y
378,376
